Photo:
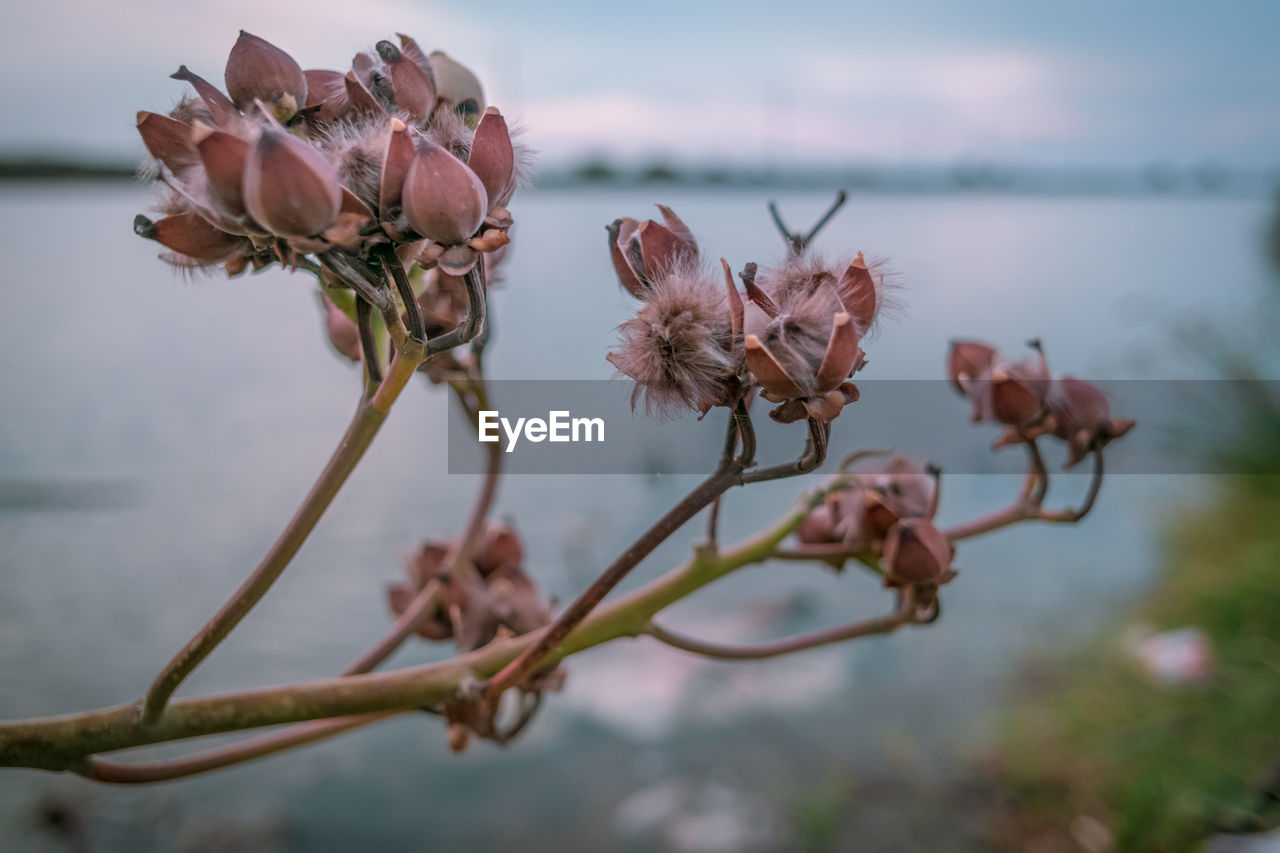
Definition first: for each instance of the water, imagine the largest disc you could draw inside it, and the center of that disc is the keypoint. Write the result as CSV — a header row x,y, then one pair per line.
x,y
172,426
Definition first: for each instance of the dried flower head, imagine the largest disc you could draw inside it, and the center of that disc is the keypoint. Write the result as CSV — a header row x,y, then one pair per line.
x,y
1001,390
399,151
645,251
916,554
1081,417
683,346
803,332
869,495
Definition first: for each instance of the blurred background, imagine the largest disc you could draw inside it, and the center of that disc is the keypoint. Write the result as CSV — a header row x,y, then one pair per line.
x,y
1104,180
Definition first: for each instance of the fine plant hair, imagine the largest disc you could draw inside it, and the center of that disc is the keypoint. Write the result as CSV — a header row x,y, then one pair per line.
x,y
295,179
356,147
678,346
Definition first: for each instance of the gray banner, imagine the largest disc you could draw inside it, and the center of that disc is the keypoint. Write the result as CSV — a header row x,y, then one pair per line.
x,y
588,427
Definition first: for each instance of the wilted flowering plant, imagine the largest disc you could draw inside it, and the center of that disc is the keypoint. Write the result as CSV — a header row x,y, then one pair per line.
x,y
389,183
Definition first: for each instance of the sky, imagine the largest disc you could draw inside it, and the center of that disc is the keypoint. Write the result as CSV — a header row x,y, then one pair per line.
x,y
791,82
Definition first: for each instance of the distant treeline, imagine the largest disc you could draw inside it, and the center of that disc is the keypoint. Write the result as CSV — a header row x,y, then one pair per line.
x,y
1204,179
45,169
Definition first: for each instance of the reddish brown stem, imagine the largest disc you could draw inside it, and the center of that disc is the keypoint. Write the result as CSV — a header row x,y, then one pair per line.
x,y
102,770
904,614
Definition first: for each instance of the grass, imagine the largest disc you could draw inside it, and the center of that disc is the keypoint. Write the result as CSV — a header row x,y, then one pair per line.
x,y
1163,767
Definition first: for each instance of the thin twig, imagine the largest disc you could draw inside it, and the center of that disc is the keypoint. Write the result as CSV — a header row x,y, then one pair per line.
x,y
260,746
368,343
350,271
1028,505
727,474
472,324
796,242
841,198
1091,497
904,614
417,330
814,455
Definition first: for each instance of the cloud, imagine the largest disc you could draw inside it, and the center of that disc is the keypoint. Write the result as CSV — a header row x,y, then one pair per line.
x,y
829,108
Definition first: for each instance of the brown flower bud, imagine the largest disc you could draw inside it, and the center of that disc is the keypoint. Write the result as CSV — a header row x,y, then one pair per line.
x,y
395,166
342,332
443,200
492,158
500,547
224,113
859,294
224,156
916,554
289,188
877,493
1082,418
414,90
360,100
191,236
259,71
967,361
1003,391
326,95
168,140
642,251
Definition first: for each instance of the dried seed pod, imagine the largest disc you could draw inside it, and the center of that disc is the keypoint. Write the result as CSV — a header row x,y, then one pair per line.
x,y
917,554
289,188
257,70
443,200
492,157
191,236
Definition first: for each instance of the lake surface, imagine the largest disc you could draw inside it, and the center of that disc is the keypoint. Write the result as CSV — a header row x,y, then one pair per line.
x,y
157,432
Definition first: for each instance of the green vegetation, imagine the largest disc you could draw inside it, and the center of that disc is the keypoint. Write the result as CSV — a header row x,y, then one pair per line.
x,y
1163,767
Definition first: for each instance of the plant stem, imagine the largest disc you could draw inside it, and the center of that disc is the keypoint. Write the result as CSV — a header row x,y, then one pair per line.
x,y
727,474
102,770
880,625
63,742
360,434
368,343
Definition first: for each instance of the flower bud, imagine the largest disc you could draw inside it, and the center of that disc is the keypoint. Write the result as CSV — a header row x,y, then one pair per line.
x,y
395,166
916,554
192,236
859,294
967,361
642,251
877,493
259,71
289,188
342,332
1082,418
224,113
493,159
443,200
415,92
1002,391
326,95
361,100
224,156
168,140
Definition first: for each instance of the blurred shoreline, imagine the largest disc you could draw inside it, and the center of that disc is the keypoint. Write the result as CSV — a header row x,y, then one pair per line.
x,y
1156,179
